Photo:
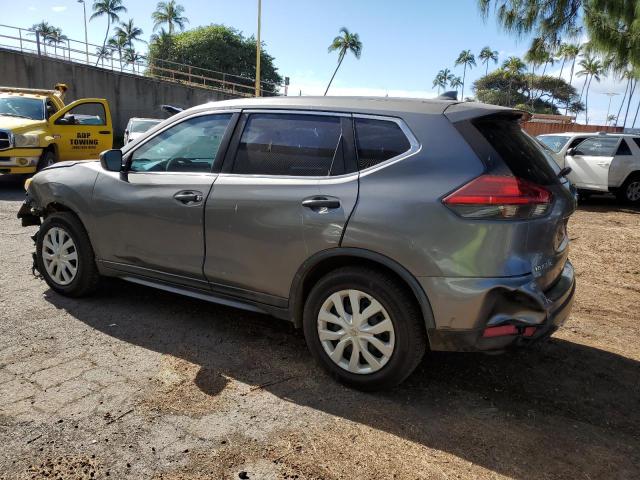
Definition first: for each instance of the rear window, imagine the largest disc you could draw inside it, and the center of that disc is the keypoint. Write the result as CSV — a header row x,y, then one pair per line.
x,y
378,140
520,153
554,142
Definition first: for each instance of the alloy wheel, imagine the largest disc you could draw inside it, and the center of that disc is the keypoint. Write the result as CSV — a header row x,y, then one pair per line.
x,y
356,331
633,191
60,256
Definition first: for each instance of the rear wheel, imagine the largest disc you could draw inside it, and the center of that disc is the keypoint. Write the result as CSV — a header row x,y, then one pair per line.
x,y
364,328
65,257
47,159
630,190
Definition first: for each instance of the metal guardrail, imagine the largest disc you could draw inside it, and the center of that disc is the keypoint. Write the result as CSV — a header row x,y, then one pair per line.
x,y
76,51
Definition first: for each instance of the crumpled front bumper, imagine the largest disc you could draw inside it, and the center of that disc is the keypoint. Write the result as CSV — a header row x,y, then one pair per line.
x,y
464,308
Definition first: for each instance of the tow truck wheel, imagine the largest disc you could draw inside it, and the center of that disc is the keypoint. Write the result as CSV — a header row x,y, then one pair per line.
x,y
64,256
47,159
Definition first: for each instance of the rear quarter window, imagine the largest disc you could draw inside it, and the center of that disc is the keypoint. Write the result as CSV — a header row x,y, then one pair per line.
x,y
379,140
519,152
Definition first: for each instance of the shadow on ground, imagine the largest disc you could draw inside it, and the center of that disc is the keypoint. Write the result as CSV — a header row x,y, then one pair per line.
x,y
12,187
606,203
563,410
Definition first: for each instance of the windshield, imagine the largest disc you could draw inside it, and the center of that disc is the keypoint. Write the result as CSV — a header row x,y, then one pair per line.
x,y
22,107
139,126
554,142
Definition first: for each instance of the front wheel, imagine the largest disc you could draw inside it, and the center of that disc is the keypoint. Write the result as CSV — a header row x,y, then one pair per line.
x,y
364,328
47,159
64,255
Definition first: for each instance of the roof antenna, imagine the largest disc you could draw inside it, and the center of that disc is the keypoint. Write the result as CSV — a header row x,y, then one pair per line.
x,y
450,95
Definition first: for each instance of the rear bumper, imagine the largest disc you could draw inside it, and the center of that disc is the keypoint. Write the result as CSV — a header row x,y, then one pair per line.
x,y
476,304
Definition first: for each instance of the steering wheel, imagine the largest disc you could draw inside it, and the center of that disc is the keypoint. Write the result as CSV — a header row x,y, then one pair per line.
x,y
181,164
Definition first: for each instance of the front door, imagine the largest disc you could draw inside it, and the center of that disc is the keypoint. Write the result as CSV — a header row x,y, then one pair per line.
x,y
590,162
82,129
151,217
288,186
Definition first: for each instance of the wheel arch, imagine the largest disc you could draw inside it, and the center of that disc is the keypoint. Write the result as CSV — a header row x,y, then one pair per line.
x,y
325,261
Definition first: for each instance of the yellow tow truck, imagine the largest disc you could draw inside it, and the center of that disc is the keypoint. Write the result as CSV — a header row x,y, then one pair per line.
x,y
37,129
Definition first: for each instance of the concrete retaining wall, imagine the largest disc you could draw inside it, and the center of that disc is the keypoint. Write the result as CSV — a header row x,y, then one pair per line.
x,y
128,95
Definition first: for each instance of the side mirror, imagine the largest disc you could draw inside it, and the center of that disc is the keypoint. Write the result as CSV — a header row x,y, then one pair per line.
x,y
571,152
126,132
111,160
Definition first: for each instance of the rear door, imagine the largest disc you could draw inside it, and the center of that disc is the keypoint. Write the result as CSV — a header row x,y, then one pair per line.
x,y
288,186
82,130
591,160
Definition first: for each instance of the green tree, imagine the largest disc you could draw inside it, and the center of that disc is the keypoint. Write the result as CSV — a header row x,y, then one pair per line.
x,y
163,41
487,55
344,43
442,79
512,68
104,53
219,48
591,68
57,38
44,31
129,31
170,14
110,9
119,43
571,52
467,59
456,83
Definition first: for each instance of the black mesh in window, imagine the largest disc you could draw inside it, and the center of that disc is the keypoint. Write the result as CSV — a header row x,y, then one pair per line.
x,y
290,144
379,140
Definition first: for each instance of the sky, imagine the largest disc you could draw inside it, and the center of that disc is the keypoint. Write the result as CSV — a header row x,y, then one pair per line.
x,y
405,42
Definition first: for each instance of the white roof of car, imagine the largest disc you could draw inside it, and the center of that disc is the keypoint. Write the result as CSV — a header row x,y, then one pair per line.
x,y
589,134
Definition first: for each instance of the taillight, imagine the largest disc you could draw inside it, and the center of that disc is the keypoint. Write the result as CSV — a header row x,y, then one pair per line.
x,y
500,197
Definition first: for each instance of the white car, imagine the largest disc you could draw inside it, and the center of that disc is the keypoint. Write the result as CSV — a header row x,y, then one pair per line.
x,y
600,162
137,126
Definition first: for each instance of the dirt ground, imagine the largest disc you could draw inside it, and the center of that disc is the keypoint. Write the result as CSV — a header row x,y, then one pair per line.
x,y
138,383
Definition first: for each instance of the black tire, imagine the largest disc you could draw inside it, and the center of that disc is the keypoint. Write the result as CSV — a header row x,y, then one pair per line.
x,y
47,159
404,313
86,276
584,195
628,192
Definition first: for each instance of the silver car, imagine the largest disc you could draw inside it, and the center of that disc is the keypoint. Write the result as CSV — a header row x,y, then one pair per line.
x,y
137,126
382,227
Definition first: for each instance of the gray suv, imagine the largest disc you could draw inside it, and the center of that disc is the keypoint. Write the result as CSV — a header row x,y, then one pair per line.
x,y
380,226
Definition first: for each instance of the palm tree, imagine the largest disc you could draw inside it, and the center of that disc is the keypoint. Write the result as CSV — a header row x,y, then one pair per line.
x,y
347,42
56,38
512,67
536,56
110,8
591,68
571,52
132,57
467,59
118,43
611,118
455,83
129,31
486,55
169,13
44,30
104,53
442,79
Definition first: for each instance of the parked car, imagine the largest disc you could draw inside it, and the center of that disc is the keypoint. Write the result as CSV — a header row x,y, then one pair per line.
x,y
138,126
37,129
380,226
602,162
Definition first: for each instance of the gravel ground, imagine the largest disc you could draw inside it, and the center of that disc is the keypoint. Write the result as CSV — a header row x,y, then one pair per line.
x,y
138,383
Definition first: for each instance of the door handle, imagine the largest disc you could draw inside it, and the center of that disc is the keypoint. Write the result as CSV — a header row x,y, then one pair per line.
x,y
188,197
321,202
104,132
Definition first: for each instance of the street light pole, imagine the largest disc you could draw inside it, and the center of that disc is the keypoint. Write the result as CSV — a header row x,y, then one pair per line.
x,y
258,50
86,41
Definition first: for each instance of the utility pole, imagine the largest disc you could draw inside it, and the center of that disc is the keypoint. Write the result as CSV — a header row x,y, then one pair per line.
x,y
610,95
258,50
86,41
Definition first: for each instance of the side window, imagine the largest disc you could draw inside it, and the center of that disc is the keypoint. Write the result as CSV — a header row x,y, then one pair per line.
x,y
189,146
378,140
624,148
575,142
85,114
637,140
290,144
51,108
598,147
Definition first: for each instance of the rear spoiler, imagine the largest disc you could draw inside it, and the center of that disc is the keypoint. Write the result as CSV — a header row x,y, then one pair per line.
x,y
59,90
